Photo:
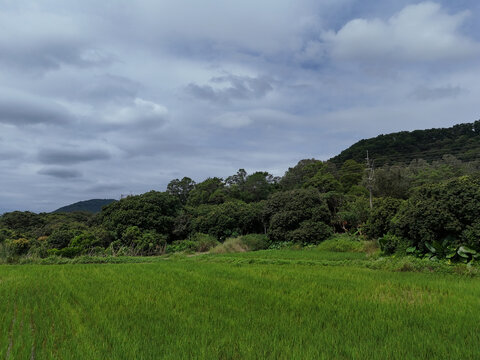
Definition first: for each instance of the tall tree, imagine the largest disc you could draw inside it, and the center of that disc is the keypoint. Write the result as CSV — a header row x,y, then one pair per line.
x,y
181,188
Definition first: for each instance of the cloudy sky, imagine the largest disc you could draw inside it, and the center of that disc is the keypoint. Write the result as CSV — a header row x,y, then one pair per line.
x,y
103,98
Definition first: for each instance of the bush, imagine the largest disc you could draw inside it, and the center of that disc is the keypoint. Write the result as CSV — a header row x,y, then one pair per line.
x,y
471,236
353,212
85,240
150,243
390,243
203,242
196,243
6,234
68,252
255,242
230,245
19,246
342,243
61,238
181,245
310,232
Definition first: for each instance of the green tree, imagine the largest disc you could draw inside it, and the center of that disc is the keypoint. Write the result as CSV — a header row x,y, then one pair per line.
x,y
295,177
436,212
181,188
290,213
351,173
210,191
234,217
150,211
323,181
384,210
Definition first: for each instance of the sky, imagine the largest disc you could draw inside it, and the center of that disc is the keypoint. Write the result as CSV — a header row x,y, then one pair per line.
x,y
112,97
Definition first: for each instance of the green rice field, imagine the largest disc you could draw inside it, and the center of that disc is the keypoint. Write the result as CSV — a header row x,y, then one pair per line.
x,y
274,304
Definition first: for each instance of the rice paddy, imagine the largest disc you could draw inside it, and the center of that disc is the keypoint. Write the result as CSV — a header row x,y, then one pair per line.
x,y
210,307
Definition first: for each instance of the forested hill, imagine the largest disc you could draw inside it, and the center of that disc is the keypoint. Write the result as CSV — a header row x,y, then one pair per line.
x,y
462,141
92,206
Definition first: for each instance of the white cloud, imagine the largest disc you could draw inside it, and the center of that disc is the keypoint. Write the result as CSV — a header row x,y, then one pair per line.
x,y
422,32
140,112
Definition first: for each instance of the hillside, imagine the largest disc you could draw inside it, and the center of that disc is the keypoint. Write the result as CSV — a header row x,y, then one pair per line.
x,y
92,206
462,141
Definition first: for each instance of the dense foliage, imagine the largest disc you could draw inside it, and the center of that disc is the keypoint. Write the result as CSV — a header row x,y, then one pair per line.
x,y
462,141
424,208
300,216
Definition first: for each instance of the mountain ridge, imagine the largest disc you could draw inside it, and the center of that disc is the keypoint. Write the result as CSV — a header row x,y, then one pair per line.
x,y
461,140
92,206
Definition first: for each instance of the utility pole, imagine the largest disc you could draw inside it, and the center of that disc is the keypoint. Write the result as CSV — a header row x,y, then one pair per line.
x,y
370,177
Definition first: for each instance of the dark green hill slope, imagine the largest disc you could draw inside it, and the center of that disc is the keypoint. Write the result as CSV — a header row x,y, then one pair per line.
x,y
92,206
462,141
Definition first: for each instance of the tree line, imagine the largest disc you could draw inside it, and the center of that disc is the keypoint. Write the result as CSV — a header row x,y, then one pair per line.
x,y
424,208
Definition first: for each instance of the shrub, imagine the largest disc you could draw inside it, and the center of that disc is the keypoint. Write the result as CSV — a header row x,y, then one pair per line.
x,y
310,232
389,243
6,234
68,252
203,242
280,245
131,235
230,245
182,245
150,243
196,243
343,243
19,246
255,242
84,240
61,238
353,212
471,236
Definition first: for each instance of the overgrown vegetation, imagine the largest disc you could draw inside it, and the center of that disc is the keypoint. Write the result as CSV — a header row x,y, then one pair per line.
x,y
428,209
461,140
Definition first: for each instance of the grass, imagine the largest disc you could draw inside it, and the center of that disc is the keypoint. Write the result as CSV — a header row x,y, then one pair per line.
x,y
237,306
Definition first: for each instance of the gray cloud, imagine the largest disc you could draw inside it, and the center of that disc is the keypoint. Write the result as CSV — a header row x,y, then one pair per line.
x,y
426,93
106,88
105,188
231,87
51,57
23,109
6,155
122,97
69,156
48,42
61,173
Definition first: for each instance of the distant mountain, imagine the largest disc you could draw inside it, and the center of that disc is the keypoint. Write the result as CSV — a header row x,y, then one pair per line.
x,y
461,141
92,206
